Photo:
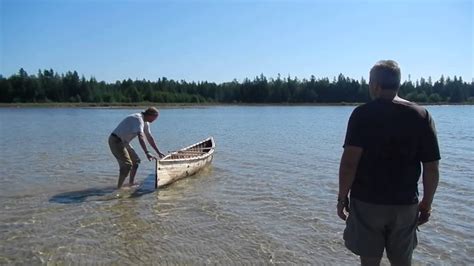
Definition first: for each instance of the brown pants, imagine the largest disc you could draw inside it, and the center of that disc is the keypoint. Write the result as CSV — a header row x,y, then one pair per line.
x,y
125,155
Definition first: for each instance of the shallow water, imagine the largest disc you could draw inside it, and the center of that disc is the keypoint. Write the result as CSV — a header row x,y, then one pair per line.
x,y
268,198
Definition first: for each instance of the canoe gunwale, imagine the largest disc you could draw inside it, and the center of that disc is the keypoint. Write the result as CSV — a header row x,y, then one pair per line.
x,y
191,158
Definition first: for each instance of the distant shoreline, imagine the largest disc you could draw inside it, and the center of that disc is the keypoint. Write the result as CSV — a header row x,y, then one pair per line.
x,y
180,105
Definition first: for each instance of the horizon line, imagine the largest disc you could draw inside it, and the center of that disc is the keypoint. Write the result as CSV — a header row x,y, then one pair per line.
x,y
235,79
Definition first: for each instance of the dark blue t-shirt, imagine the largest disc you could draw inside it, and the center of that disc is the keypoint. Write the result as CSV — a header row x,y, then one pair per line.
x,y
396,136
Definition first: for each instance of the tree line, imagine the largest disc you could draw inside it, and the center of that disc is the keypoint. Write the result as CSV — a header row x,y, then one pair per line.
x,y
50,86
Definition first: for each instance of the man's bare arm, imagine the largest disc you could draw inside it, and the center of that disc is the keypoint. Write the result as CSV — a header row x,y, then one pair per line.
x,y
430,183
347,170
152,142
141,140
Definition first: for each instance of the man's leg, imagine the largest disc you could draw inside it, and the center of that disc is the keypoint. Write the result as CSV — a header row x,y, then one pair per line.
x,y
125,169
133,172
402,240
123,158
135,163
364,233
395,263
366,261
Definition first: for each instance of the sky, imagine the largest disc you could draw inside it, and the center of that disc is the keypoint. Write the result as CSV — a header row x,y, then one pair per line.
x,y
219,41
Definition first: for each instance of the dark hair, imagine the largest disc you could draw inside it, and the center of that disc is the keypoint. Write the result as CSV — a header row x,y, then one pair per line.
x,y
386,74
150,111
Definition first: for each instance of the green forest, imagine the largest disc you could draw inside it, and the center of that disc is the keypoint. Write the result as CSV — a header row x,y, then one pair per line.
x,y
48,86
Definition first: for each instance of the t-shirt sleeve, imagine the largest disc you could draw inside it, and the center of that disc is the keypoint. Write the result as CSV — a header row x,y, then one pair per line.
x,y
353,133
138,126
429,149
146,128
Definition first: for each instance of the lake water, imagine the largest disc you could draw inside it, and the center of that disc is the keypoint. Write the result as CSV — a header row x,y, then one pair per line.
x,y
268,198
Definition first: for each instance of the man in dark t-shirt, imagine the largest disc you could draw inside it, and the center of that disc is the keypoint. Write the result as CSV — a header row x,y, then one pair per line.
x,y
387,142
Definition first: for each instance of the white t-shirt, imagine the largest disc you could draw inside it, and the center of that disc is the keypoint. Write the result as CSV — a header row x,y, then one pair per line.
x,y
131,126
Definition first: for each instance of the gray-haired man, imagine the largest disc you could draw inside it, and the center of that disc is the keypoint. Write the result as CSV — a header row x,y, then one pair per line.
x,y
119,142
387,141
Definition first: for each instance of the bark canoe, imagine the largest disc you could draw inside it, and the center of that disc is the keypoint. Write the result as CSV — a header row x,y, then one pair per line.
x,y
185,162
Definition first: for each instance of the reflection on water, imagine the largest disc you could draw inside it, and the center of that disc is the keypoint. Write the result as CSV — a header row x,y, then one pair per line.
x,y
268,198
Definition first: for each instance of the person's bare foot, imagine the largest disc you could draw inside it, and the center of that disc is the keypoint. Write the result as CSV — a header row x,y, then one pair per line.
x,y
132,185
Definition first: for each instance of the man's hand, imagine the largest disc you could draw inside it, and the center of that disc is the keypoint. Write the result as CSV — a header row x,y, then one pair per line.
x,y
161,155
347,172
425,212
150,156
343,208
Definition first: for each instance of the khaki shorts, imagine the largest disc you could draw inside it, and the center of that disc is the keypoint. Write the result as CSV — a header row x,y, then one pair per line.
x,y
371,228
124,153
